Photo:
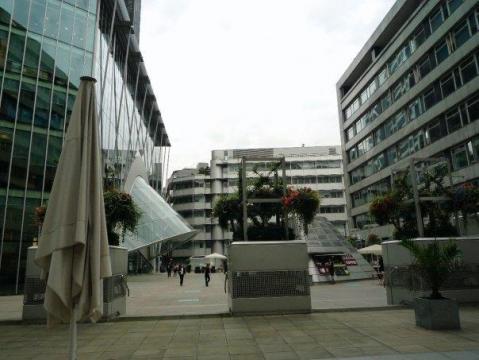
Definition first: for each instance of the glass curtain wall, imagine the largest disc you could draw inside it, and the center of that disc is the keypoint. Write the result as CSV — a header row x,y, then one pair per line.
x,y
131,123
45,46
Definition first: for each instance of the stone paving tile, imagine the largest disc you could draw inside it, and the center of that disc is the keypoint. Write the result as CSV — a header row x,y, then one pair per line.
x,y
392,335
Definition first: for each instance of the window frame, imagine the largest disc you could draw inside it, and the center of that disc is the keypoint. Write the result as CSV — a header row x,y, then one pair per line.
x,y
444,80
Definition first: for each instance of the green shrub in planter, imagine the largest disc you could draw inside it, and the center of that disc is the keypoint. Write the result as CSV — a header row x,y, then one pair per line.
x,y
121,215
434,262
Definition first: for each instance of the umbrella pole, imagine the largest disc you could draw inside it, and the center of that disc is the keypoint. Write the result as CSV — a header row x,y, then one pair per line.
x,y
73,335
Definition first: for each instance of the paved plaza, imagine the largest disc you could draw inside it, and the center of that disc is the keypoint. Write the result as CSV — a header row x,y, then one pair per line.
x,y
151,329
388,334
158,295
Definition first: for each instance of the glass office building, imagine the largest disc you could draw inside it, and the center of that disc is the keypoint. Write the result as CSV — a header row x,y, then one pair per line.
x,y
45,47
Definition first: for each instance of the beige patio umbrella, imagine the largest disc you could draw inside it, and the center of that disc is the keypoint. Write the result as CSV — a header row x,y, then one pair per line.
x,y
73,247
375,249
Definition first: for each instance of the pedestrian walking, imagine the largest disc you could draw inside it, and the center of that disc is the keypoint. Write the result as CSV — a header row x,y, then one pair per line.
x,y
168,269
381,271
331,270
181,272
175,270
207,274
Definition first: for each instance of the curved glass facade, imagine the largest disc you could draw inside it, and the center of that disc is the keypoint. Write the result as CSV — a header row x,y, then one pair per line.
x,y
158,221
45,47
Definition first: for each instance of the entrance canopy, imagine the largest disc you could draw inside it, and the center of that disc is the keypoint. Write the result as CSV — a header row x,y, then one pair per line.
x,y
158,221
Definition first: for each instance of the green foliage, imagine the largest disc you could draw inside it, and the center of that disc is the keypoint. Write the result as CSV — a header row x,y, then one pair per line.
x,y
397,207
383,209
229,211
373,239
304,203
121,214
351,240
434,262
39,215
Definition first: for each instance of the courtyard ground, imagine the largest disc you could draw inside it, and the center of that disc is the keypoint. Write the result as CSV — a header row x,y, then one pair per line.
x,y
158,295
389,335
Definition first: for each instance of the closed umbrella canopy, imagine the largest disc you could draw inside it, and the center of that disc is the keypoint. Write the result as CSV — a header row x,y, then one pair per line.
x,y
73,246
215,256
373,249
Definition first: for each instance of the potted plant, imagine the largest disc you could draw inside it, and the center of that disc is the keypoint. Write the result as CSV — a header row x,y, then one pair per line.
x,y
434,263
39,219
304,203
121,214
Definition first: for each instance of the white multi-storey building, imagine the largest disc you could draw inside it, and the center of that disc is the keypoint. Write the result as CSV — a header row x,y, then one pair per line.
x,y
189,192
193,191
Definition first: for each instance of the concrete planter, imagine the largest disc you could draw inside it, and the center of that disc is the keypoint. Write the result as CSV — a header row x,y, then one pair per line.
x,y
437,314
115,288
268,277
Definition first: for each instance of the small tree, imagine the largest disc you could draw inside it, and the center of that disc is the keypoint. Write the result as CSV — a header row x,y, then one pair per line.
x,y
229,213
434,262
397,207
228,208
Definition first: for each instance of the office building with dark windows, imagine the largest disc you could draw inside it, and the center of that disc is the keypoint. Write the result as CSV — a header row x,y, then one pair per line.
x,y
411,92
45,47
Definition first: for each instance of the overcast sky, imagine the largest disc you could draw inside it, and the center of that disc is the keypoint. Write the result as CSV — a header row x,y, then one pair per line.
x,y
251,73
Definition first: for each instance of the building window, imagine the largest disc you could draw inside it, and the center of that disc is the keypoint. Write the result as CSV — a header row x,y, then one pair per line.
x,y
436,19
425,67
386,101
403,149
462,34
419,37
415,109
447,86
383,76
475,148
364,96
453,121
442,52
353,154
468,70
350,133
333,209
473,109
459,157
453,5
434,132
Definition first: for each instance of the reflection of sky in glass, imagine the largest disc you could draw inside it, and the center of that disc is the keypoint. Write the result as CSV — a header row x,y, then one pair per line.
x,y
158,220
